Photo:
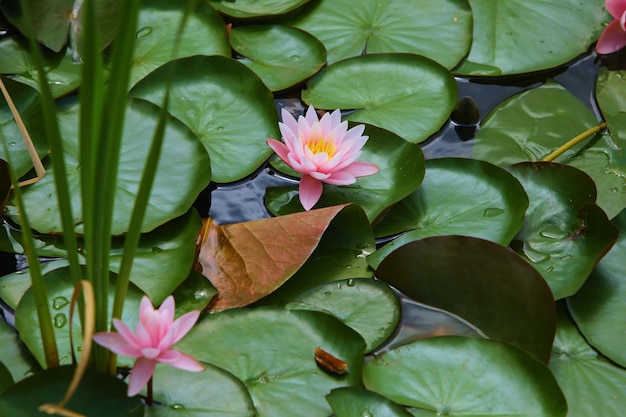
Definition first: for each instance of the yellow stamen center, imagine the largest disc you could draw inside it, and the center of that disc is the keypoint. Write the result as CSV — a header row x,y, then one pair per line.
x,y
320,144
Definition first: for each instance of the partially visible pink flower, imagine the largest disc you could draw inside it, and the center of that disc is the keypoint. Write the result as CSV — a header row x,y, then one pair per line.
x,y
151,341
321,150
613,38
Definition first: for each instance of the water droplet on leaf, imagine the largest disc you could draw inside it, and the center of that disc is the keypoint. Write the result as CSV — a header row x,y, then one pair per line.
x,y
350,283
553,232
492,212
143,32
177,406
59,302
535,256
60,320
156,249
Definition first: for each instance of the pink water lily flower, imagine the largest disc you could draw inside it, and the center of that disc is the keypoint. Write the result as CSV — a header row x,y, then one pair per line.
x,y
613,38
151,341
323,151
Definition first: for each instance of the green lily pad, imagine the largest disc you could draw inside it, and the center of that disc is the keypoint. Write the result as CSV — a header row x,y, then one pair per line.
x,y
439,30
446,204
582,374
472,278
565,233
255,8
63,73
368,306
157,29
210,393
26,101
97,395
409,95
282,56
350,402
340,254
162,261
225,105
459,376
272,351
6,380
182,173
512,36
401,172
194,293
19,362
597,307
532,124
59,288
605,160
5,187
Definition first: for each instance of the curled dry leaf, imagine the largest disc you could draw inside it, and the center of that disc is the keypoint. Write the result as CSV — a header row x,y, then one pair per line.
x,y
247,261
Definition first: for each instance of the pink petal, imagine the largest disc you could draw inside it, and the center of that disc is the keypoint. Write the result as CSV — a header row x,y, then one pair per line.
x,y
612,39
340,178
116,344
167,309
183,324
143,336
127,334
616,7
362,169
320,176
311,116
140,375
289,120
279,148
145,308
310,191
181,361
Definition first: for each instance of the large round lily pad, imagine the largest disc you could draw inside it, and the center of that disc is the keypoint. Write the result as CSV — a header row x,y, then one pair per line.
x,y
517,36
597,308
446,204
225,105
272,351
409,95
183,171
243,9
440,30
457,376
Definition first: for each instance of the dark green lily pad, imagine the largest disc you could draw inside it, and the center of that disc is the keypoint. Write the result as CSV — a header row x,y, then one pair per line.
x,y
459,376
157,29
272,351
5,187
14,354
439,30
183,171
532,124
26,101
518,36
401,172
582,374
350,402
282,56
472,278
255,8
97,395
409,95
225,105
457,197
194,293
210,393
565,233
6,380
368,306
59,288
340,254
597,308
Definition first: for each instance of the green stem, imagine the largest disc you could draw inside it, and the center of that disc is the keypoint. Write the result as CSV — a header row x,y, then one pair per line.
x,y
573,142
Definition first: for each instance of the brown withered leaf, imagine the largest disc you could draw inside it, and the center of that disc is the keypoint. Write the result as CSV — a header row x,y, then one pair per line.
x,y
247,261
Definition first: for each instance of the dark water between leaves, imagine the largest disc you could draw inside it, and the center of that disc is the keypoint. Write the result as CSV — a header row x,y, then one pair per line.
x,y
243,200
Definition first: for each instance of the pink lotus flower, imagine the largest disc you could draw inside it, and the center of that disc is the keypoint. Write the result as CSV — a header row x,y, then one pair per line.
x,y
321,150
613,38
156,332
